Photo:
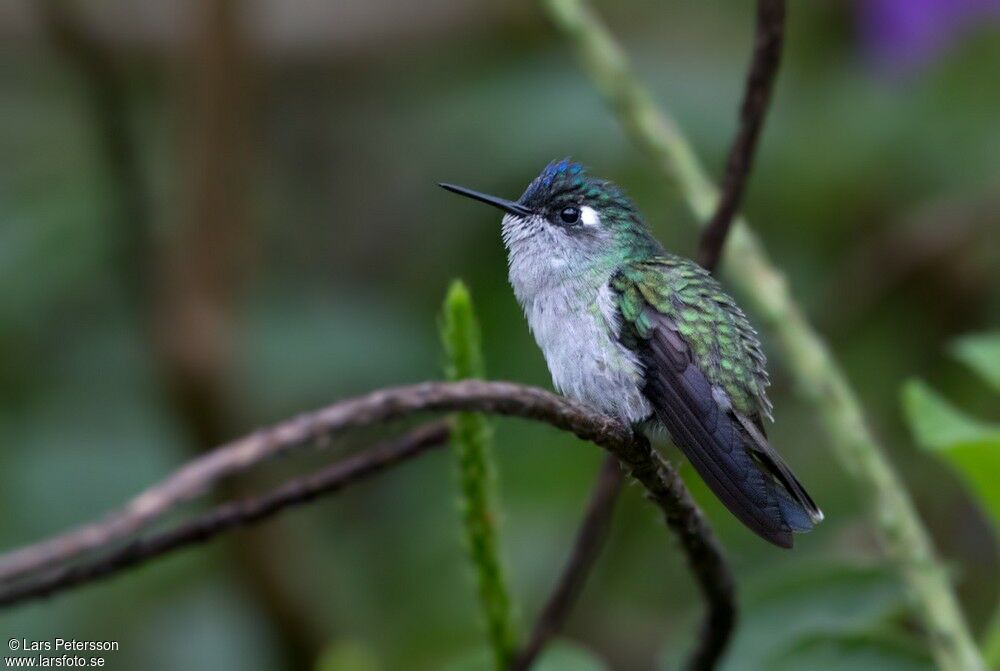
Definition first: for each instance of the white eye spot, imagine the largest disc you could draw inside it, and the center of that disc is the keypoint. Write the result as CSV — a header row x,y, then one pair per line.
x,y
589,216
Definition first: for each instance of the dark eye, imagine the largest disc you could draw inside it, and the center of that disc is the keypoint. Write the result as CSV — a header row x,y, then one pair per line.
x,y
570,215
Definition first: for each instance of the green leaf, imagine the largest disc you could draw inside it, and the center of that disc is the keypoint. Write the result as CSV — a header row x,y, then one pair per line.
x,y
938,425
981,353
970,446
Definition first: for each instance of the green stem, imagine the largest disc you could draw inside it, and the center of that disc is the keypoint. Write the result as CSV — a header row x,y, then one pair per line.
x,y
473,445
808,359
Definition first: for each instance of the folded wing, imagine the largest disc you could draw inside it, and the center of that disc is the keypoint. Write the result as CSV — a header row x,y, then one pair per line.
x,y
728,448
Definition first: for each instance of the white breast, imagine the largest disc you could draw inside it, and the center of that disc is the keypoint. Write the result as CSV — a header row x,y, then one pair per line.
x,y
577,330
587,364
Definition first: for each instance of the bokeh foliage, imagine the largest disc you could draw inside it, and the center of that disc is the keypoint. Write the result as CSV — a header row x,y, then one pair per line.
x,y
875,193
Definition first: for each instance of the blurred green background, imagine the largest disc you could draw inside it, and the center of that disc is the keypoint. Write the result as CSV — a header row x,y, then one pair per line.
x,y
215,215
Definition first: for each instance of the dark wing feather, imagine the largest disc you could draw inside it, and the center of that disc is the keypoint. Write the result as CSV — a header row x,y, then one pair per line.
x,y
773,462
750,478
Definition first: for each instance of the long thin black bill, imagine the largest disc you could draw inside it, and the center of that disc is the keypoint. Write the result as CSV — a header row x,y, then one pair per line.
x,y
506,205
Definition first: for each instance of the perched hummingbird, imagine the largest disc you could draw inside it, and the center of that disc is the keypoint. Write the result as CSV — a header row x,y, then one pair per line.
x,y
648,337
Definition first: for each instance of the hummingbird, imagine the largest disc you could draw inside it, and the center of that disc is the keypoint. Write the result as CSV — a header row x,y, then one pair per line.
x,y
648,337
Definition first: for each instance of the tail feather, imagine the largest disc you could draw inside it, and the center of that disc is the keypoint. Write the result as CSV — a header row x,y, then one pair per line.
x,y
749,478
796,516
774,464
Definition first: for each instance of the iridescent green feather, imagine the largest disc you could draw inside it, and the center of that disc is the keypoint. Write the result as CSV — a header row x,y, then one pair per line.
x,y
725,346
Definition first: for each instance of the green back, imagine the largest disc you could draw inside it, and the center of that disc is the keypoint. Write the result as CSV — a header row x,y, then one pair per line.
x,y
725,345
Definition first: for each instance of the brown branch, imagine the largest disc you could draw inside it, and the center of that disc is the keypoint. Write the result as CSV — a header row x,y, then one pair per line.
x,y
770,35
590,539
201,473
704,558
232,515
662,483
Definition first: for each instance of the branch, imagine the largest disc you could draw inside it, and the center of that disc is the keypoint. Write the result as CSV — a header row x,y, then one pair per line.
x,y
229,516
201,473
704,555
807,358
662,483
590,539
770,35
705,560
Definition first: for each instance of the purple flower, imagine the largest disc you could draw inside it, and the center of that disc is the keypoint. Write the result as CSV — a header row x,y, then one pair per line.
x,y
901,36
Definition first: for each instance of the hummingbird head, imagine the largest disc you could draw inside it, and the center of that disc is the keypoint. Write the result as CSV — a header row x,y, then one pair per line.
x,y
567,220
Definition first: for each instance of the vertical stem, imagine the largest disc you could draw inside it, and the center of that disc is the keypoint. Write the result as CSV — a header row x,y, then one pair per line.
x,y
590,539
808,360
769,38
476,477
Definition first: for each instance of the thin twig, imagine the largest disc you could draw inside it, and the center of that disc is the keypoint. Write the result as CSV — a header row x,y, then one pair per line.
x,y
199,474
590,539
661,481
769,38
707,562
232,515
